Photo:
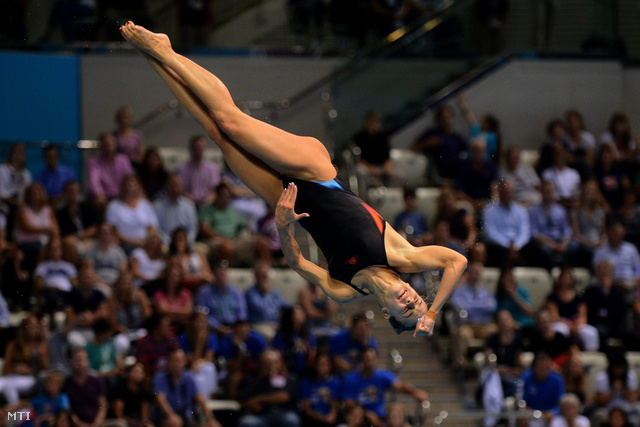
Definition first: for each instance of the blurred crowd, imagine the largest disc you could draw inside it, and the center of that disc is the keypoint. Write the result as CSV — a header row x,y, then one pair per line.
x,y
573,206
134,318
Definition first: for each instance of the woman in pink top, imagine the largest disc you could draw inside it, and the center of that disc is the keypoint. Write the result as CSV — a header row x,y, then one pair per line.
x,y
36,224
173,299
130,141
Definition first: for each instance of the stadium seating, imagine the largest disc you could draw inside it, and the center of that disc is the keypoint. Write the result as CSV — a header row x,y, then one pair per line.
x,y
410,166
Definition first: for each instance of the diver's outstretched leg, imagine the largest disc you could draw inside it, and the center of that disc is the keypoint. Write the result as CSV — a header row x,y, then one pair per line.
x,y
263,180
296,156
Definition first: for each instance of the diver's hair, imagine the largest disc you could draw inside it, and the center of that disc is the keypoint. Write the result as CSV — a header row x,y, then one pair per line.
x,y
399,327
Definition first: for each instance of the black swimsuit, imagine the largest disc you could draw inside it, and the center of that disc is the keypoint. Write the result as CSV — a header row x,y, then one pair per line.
x,y
347,230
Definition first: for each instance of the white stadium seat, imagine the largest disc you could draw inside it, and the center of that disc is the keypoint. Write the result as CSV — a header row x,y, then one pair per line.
x,y
410,166
537,281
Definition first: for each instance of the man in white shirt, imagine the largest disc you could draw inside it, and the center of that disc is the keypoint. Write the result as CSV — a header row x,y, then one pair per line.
x,y
523,177
569,417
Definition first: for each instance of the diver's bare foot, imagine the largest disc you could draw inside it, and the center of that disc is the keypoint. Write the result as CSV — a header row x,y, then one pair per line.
x,y
154,44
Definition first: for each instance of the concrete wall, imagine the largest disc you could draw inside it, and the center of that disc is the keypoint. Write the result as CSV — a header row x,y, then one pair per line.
x,y
110,81
525,95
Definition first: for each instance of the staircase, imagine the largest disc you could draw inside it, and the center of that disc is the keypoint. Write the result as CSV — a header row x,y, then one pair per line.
x,y
421,365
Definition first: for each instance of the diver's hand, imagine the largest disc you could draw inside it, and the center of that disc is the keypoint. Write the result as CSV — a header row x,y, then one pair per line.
x,y
424,327
285,213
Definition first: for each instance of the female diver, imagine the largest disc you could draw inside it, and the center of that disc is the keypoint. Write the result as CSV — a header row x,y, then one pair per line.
x,y
365,254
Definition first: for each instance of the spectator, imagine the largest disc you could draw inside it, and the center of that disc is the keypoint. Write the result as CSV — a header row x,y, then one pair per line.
x,y
36,225
507,346
225,302
14,175
54,277
46,406
629,215
131,214
374,166
294,341
130,309
106,171
551,234
87,396
132,403
267,229
85,305
617,418
243,199
152,173
557,139
588,224
104,359
486,130
367,387
569,413
108,258
147,262
195,266
506,228
78,221
176,211
320,392
522,177
264,303
575,376
617,387
566,181
478,177
270,399
580,143
622,255
461,222
442,237
480,306
200,345
543,387
241,350
199,175
24,359
320,311
546,339
619,137
347,346
222,225
396,416
354,417
173,299
443,144
10,264
612,178
129,141
569,312
177,395
152,350
55,176
515,299
606,304
411,222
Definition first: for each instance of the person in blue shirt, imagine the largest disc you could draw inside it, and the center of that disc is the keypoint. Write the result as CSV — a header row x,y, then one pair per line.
x,y
241,349
294,341
320,393
551,235
201,345
264,303
45,406
542,388
411,222
177,395
367,388
346,346
55,176
486,129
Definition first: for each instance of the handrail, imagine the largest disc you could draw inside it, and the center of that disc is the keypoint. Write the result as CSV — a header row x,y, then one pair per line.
x,y
158,111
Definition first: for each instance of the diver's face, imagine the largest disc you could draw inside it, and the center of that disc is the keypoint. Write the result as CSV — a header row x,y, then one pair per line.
x,y
404,304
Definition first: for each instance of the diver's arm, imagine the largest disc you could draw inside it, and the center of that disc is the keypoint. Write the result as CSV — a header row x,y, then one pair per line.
x,y
285,215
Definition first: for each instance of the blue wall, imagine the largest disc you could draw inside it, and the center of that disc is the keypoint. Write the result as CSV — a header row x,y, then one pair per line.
x,y
40,101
